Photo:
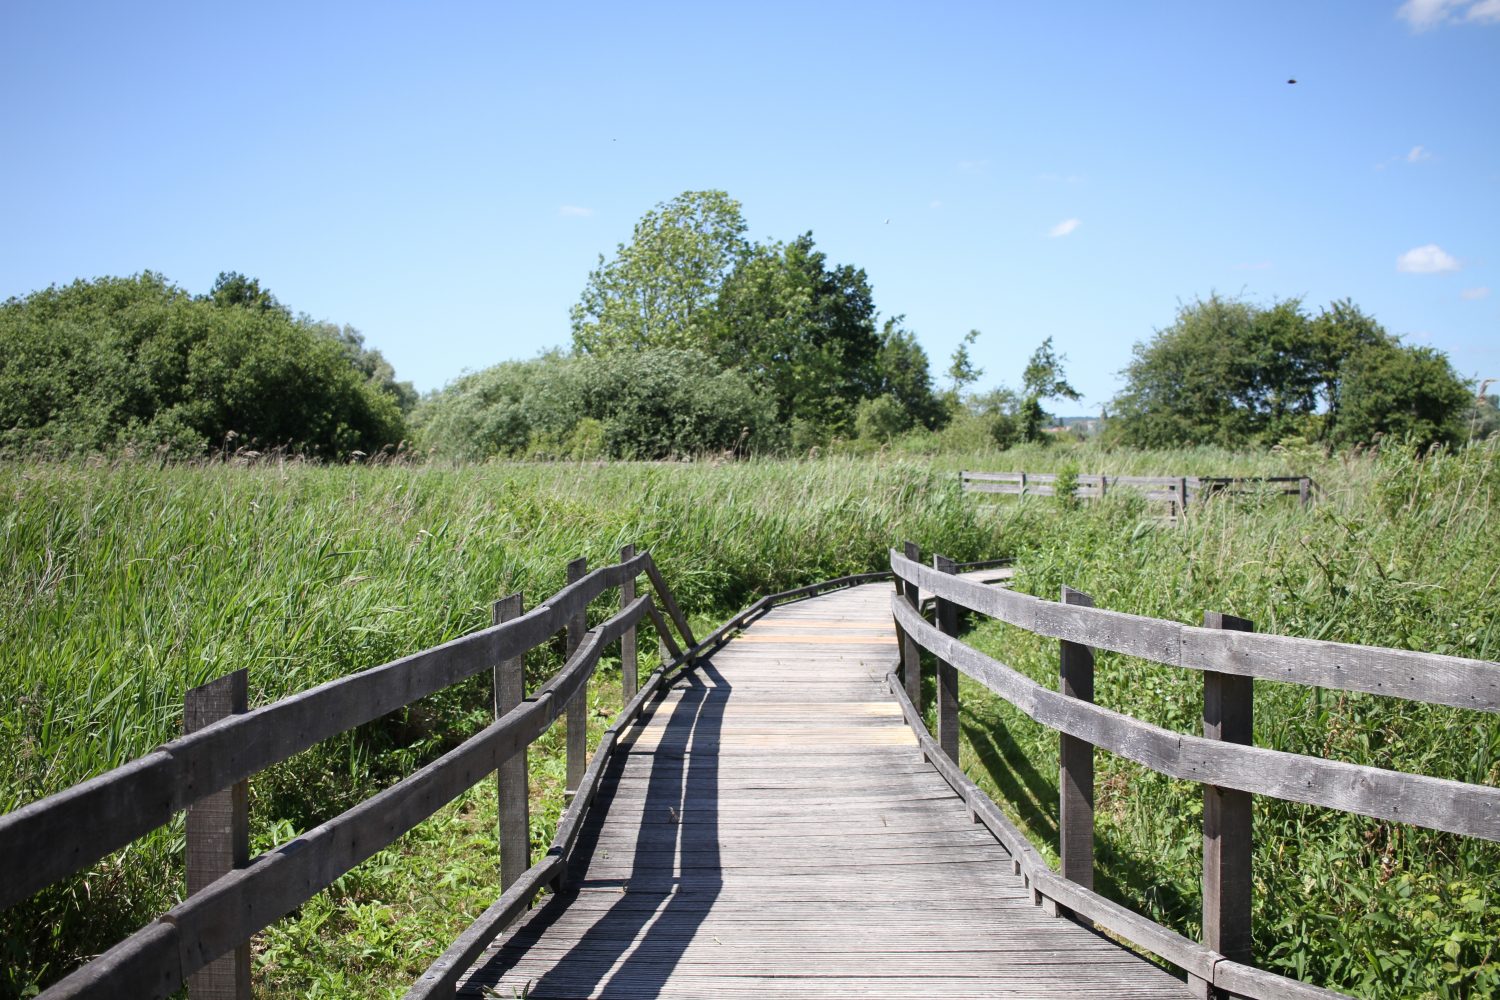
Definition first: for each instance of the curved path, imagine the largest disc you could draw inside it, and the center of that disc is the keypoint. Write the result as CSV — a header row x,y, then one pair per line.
x,y
770,828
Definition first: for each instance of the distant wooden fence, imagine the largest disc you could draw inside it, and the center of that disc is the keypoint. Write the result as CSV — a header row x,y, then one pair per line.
x,y
201,941
1224,760
1176,491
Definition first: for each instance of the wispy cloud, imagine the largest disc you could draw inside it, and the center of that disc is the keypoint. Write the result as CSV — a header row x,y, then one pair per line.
x,y
1424,15
1429,259
1475,294
1064,227
1418,154
1260,265
934,203
575,211
1053,178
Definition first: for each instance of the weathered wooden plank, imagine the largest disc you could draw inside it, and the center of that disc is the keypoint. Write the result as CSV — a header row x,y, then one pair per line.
x,y
911,653
947,674
630,668
1436,803
1075,821
1428,677
1228,716
668,601
513,777
577,719
218,834
64,833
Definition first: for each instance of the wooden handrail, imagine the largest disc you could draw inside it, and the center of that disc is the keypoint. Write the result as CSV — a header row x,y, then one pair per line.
x,y
62,834
1225,764
1435,803
249,899
1434,678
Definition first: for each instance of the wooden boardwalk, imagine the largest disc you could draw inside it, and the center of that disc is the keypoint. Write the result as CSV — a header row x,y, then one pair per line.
x,y
771,828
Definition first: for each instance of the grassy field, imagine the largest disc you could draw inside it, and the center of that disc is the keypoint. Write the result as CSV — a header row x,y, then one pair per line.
x,y
125,584
1400,553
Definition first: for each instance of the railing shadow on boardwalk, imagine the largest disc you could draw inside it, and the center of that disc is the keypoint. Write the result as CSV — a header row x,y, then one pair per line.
x,y
639,941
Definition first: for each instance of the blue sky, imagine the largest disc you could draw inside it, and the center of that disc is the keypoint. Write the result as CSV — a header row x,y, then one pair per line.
x,y
444,176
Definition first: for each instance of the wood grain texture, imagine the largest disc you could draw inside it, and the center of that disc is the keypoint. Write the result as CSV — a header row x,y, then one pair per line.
x,y
513,777
1228,716
1436,803
1428,677
946,617
1075,817
769,828
64,833
218,834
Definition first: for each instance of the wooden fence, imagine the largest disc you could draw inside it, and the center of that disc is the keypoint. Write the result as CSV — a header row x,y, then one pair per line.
x,y
201,942
1176,491
1224,760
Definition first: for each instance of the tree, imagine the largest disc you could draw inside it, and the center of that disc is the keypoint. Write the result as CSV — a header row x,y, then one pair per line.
x,y
1405,393
232,288
1042,379
137,363
962,372
902,367
1231,373
803,330
658,290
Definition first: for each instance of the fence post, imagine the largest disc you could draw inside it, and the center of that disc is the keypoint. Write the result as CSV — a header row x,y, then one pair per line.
x,y
218,834
1304,490
578,709
1103,484
630,670
947,674
1182,496
911,653
512,777
1228,715
1075,783
1023,484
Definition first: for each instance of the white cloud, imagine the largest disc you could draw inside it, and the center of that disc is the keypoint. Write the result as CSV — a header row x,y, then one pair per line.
x,y
934,203
1484,11
1064,227
1429,259
575,211
1475,294
1418,154
1425,14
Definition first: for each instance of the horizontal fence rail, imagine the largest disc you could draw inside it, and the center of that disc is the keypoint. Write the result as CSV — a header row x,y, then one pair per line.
x,y
1223,760
1177,491
65,833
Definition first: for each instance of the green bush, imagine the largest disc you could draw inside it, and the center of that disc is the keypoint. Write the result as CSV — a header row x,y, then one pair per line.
x,y
137,364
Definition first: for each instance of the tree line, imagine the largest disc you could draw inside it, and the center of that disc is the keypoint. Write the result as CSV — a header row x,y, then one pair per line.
x,y
139,365
690,339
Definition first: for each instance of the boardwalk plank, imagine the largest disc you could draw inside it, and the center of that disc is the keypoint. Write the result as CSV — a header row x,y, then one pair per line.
x,y
771,829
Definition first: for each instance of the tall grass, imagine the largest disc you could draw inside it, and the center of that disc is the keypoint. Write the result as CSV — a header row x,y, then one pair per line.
x,y
1402,553
126,584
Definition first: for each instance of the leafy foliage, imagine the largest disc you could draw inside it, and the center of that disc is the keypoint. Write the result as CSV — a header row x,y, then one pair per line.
x,y
1231,373
651,404
658,290
136,363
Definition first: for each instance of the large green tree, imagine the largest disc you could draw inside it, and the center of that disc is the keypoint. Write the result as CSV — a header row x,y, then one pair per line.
x,y
1232,373
137,363
803,330
658,289
1043,378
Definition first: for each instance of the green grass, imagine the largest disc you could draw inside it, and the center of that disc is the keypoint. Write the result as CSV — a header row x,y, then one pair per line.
x,y
1401,553
124,584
